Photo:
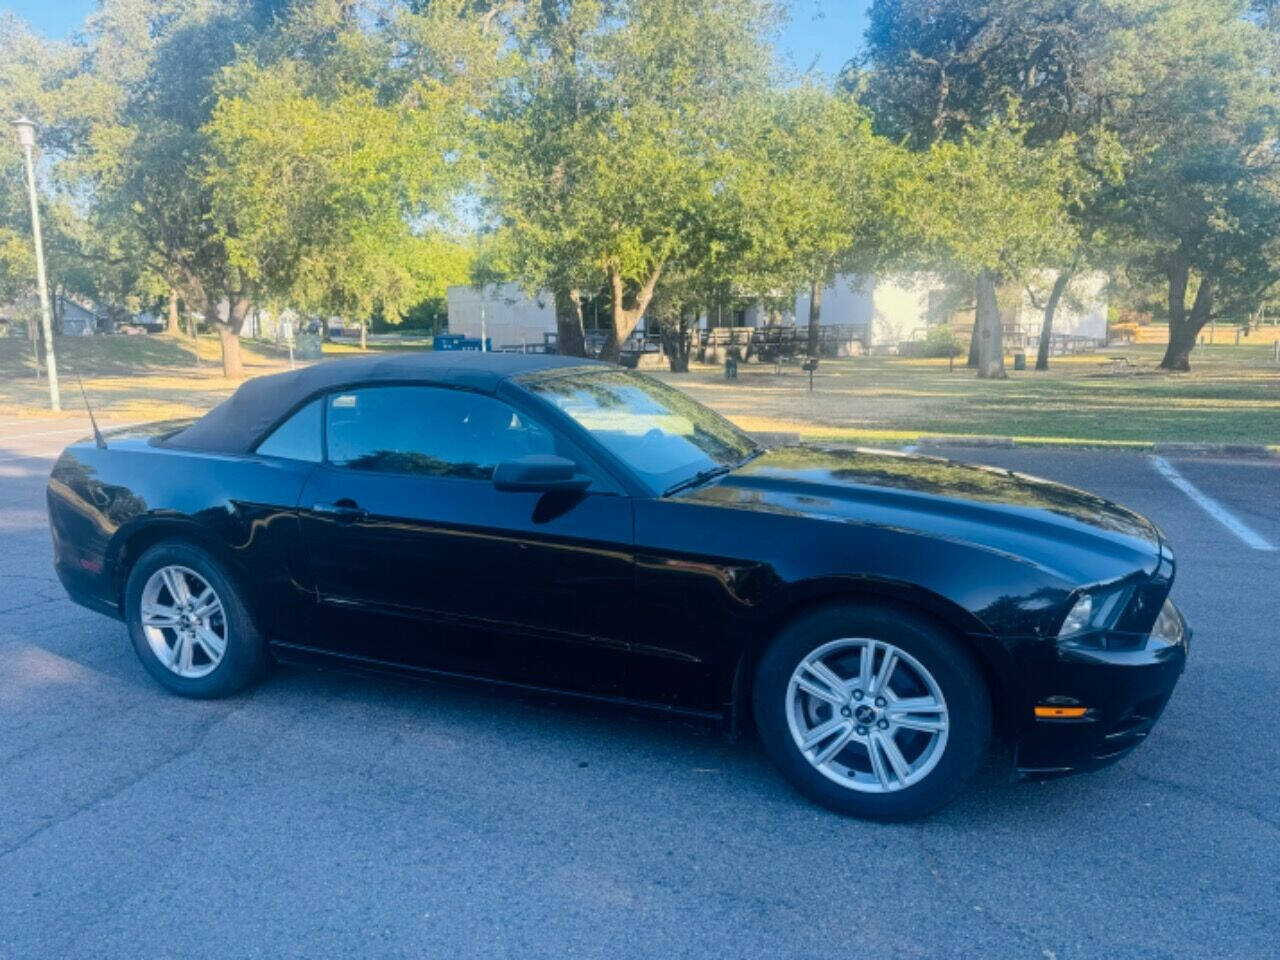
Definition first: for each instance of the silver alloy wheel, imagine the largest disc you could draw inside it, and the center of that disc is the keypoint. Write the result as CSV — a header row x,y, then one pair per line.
x,y
867,715
183,621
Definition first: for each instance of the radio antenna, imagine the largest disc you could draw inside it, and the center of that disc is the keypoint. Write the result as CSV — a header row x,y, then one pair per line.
x,y
97,434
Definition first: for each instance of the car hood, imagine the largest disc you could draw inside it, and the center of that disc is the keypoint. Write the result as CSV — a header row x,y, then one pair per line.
x,y
1051,525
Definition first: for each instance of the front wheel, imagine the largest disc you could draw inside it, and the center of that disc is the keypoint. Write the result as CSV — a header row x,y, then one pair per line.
x,y
188,623
872,711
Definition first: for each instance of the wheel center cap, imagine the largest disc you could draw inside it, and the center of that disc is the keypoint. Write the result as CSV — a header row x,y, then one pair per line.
x,y
864,713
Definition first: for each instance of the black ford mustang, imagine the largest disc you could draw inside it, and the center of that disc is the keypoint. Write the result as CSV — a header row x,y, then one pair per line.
x,y
560,524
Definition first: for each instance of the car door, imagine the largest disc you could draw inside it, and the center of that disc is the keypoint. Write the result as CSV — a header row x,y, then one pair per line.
x,y
416,558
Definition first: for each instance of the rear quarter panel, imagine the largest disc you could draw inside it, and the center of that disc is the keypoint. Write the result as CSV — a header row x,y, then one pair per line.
x,y
107,506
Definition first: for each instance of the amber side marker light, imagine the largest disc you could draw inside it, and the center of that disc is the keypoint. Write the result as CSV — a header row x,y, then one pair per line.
x,y
1060,712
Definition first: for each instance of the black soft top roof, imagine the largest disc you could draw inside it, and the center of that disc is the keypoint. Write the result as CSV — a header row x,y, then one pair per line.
x,y
239,422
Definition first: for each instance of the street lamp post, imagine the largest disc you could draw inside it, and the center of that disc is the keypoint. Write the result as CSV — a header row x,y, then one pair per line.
x,y
27,139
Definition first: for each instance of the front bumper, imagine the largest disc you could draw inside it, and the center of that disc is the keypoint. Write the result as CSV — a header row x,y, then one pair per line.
x,y
1124,693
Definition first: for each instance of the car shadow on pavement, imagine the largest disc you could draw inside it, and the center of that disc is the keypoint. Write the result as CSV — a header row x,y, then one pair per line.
x,y
695,761
563,743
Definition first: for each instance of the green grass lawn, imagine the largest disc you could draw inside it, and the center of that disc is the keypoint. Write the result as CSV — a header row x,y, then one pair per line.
x,y
127,377
1232,394
149,377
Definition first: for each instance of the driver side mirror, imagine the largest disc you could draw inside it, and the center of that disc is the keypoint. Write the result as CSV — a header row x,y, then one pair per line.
x,y
539,473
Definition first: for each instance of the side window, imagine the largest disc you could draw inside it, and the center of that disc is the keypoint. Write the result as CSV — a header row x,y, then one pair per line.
x,y
298,438
428,430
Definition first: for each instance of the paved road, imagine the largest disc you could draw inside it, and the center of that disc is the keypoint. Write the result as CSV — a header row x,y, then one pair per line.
x,y
328,815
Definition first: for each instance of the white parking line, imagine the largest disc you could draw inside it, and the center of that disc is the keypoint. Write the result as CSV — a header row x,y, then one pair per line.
x,y
1212,507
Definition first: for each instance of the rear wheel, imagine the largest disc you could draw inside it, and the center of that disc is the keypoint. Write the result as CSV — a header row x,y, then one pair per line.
x,y
189,624
872,711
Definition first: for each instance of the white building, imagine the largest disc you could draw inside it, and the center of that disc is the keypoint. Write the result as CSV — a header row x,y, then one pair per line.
x,y
508,315
879,311
897,308
70,319
511,317
887,310
1082,311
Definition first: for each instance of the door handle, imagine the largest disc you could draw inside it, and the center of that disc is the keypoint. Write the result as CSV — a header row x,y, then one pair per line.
x,y
344,509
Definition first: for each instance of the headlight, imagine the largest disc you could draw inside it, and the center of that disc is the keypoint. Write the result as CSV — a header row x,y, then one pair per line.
x,y
1170,628
1079,617
1094,611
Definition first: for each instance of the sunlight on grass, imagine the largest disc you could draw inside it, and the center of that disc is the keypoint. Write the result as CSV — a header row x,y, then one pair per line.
x,y
1232,394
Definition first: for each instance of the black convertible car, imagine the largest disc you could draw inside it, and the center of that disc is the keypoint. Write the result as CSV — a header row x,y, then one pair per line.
x,y
560,524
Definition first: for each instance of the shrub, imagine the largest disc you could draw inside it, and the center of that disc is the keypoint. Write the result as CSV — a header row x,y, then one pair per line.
x,y
1122,332
912,348
940,341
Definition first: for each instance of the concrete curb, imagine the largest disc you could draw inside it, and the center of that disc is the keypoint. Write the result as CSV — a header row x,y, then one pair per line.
x,y
1001,443
1255,451
1252,451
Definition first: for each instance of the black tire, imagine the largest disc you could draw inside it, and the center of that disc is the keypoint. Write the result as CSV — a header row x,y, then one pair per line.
x,y
245,658
952,667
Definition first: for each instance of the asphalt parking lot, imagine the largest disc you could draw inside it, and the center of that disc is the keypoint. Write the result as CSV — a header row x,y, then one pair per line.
x,y
330,815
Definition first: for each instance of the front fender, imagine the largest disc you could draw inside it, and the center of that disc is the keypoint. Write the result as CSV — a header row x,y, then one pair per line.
x,y
719,582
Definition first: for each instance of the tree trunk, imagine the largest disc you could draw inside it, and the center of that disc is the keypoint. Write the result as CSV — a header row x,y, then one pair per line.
x,y
33,334
570,341
229,334
991,329
972,362
364,335
1184,327
611,350
193,326
815,316
625,319
1050,308
229,341
1177,355
173,329
675,342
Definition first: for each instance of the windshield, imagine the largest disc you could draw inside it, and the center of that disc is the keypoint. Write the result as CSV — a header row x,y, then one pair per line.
x,y
664,436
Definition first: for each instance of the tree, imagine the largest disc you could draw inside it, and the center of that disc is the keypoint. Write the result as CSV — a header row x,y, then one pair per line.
x,y
993,207
1049,308
931,70
333,177
22,56
29,71
815,188
936,69
608,143
1201,197
146,85
1177,95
